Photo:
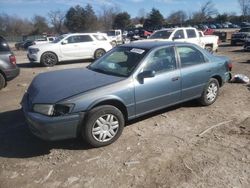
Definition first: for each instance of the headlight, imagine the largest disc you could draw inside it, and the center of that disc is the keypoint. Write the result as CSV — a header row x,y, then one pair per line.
x,y
34,50
53,110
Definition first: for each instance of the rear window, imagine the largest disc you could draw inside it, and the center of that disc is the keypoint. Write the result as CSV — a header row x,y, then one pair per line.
x,y
3,45
165,34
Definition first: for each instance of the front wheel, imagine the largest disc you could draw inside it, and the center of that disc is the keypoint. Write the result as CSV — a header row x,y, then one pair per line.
x,y
210,92
104,125
49,59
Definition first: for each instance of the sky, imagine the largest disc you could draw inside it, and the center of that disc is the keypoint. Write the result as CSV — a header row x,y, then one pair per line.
x,y
29,8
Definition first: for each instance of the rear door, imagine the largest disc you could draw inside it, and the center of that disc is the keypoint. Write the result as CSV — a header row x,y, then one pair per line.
x,y
192,36
196,70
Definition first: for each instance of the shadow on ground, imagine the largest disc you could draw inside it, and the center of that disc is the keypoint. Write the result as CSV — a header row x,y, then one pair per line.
x,y
16,141
38,65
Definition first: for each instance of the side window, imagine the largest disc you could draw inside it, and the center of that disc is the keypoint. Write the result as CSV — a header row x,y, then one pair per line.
x,y
179,34
100,37
191,33
190,56
85,38
79,38
161,60
3,45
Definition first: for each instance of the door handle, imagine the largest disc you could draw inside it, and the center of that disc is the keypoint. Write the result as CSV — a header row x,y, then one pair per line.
x,y
209,70
175,78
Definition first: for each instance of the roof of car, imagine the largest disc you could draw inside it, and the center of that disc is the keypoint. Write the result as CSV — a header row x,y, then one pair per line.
x,y
151,44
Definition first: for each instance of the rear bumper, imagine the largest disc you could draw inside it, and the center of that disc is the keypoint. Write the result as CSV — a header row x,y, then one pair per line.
x,y
11,73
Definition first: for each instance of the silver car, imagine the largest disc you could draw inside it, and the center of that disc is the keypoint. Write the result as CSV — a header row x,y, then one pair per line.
x,y
128,82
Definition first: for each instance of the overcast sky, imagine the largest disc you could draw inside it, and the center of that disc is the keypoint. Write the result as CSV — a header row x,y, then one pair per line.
x,y
28,8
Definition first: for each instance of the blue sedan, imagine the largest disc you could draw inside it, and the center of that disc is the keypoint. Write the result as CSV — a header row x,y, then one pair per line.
x,y
129,81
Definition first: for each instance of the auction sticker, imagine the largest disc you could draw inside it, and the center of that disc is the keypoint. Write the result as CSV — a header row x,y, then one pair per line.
x,y
138,51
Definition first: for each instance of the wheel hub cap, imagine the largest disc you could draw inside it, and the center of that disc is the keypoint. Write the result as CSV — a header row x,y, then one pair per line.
x,y
105,128
212,92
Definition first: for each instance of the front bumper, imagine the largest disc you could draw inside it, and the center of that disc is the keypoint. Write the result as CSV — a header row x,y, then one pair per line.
x,y
33,58
52,128
12,73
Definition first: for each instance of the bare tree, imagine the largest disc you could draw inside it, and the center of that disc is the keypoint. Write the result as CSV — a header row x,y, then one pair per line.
x,y
245,7
177,17
107,16
206,11
56,20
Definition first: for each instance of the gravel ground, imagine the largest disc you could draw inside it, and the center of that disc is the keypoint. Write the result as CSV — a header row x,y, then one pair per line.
x,y
170,148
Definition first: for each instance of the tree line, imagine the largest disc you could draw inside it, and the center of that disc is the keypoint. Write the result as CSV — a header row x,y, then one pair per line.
x,y
85,19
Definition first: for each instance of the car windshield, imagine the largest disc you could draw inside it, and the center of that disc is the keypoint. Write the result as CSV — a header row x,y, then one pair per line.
x,y
111,33
121,61
161,34
58,39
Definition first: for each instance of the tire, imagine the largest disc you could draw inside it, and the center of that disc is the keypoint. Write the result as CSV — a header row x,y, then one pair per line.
x,y
209,49
2,81
103,133
210,92
114,44
49,59
99,53
233,43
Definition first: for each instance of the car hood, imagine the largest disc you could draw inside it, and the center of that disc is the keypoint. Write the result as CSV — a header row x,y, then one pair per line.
x,y
55,86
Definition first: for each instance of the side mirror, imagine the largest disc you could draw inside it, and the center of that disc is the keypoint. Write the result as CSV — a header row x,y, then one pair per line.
x,y
64,42
146,74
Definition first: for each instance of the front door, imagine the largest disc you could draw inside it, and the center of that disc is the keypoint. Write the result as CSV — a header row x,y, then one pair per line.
x,y
164,88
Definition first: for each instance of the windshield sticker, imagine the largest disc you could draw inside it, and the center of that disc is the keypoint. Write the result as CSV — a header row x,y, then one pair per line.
x,y
138,51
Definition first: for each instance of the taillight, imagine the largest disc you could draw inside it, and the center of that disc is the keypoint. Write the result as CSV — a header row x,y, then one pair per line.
x,y
230,66
12,59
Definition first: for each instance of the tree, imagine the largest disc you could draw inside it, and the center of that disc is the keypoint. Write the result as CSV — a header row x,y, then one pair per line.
x,y
40,25
56,20
177,17
154,20
107,17
122,21
79,19
206,11
74,19
245,7
90,19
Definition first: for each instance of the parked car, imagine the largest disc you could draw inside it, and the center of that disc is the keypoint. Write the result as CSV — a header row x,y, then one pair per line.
x,y
24,44
44,40
70,47
247,44
186,34
240,37
8,67
128,82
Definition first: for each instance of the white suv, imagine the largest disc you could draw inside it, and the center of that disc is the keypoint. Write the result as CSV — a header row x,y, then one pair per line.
x,y
70,47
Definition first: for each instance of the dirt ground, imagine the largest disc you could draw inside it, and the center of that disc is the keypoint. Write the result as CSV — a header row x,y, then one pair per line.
x,y
159,150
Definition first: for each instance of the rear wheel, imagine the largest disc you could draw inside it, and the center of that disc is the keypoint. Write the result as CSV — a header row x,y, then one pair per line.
x,y
49,59
99,53
2,81
103,126
210,92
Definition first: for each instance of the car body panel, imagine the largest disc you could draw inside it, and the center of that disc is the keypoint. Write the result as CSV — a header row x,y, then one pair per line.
x,y
86,88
